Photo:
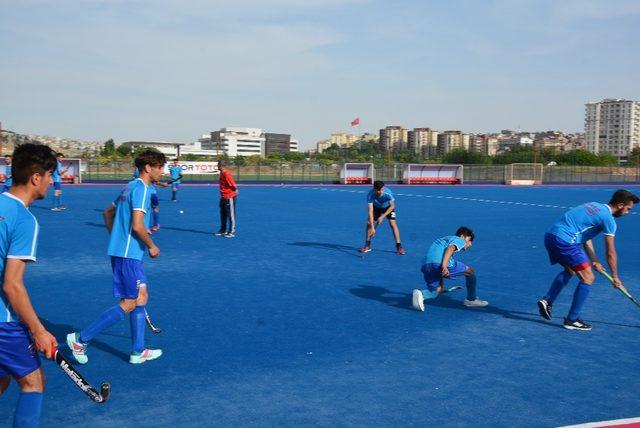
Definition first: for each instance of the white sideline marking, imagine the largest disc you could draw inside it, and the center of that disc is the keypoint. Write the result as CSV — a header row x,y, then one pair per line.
x,y
604,423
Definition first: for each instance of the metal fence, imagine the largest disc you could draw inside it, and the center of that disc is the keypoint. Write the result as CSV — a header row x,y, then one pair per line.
x,y
318,173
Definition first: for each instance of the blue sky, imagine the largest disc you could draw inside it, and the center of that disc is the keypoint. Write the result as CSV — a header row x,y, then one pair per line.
x,y
172,70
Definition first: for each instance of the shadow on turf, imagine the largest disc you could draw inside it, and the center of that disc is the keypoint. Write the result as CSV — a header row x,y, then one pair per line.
x,y
179,229
60,331
403,301
342,248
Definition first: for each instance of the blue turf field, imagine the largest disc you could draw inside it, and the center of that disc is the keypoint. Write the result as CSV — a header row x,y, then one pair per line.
x,y
286,325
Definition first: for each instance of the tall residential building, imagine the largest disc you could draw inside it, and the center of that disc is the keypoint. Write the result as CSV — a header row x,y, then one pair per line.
x,y
613,126
394,137
483,143
323,145
423,141
451,140
342,139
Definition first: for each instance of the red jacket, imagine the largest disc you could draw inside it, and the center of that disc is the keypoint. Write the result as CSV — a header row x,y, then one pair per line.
x,y
228,187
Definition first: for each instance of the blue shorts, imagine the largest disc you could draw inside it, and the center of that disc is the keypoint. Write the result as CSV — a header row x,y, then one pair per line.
x,y
57,185
18,355
569,255
154,200
128,277
175,186
432,273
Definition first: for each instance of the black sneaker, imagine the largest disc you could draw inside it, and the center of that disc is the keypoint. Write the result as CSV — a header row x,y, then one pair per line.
x,y
576,325
545,308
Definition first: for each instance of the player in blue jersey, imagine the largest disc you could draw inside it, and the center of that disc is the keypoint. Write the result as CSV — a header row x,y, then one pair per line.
x,y
175,171
381,204
22,334
57,184
568,244
127,222
8,180
154,226
439,264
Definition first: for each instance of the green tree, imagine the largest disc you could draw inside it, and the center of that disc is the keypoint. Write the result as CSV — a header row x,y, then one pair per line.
x,y
634,157
240,161
108,148
123,151
463,156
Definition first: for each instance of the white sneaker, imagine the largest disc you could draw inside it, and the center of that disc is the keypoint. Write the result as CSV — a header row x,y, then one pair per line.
x,y
475,303
56,209
229,235
78,349
220,233
146,355
417,300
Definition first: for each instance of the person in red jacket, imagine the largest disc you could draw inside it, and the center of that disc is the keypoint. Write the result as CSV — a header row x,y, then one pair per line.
x,y
228,197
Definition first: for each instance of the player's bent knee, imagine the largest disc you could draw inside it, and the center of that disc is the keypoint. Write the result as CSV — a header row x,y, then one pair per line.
x,y
469,271
33,382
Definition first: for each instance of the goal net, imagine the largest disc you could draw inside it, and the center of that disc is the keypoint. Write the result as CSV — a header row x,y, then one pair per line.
x,y
415,173
523,174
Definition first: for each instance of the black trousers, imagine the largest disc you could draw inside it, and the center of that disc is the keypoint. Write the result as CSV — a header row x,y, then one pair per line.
x,y
228,215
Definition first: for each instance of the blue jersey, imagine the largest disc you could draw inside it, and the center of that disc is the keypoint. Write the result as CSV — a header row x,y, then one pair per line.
x,y
123,242
8,181
436,251
382,201
18,240
56,173
584,222
175,171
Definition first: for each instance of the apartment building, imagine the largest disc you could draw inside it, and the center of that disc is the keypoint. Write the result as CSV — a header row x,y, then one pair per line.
x,y
613,126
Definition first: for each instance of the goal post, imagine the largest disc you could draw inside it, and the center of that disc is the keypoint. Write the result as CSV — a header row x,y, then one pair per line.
x,y
417,173
523,174
357,173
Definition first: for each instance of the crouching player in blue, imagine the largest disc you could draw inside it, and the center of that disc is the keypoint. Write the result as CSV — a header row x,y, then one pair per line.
x,y
22,334
439,264
380,205
126,220
568,243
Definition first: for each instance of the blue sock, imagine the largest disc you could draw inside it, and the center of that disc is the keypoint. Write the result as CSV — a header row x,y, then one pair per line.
x,y
27,413
60,200
173,195
470,282
137,318
156,218
429,294
557,285
579,297
56,201
103,322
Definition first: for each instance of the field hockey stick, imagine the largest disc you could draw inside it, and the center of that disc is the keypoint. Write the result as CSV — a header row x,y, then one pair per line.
x,y
79,380
450,289
173,180
150,323
622,289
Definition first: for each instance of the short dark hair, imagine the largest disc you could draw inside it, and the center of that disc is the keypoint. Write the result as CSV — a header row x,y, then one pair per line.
x,y
378,184
623,196
221,163
149,157
465,231
60,155
29,159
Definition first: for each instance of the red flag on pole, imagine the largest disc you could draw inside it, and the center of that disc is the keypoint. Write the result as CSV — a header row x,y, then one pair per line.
x,y
355,121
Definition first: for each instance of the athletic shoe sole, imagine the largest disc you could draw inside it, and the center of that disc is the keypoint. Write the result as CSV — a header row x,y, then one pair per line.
x,y
570,327
542,308
417,300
